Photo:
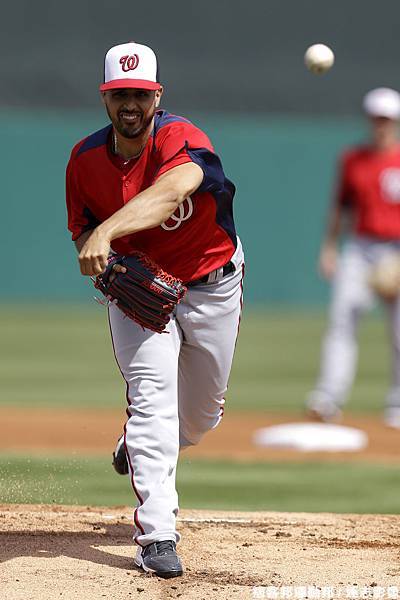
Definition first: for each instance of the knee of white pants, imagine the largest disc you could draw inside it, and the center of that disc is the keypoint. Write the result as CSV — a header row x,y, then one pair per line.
x,y
184,442
191,438
191,433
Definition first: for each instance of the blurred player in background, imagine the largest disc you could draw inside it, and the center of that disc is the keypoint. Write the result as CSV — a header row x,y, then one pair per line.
x,y
367,205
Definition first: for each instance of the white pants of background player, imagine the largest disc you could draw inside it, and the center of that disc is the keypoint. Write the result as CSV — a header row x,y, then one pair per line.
x,y
351,297
176,383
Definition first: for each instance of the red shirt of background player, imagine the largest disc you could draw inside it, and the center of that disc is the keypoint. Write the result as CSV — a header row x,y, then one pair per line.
x,y
369,185
198,238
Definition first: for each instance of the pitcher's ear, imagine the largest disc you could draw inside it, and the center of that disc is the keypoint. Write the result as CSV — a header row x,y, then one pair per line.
x,y
159,93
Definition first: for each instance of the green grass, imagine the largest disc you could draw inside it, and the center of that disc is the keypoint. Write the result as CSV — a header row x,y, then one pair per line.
x,y
277,362
312,487
62,357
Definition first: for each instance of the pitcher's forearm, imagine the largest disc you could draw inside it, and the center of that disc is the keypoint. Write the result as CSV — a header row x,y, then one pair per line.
x,y
147,210
80,242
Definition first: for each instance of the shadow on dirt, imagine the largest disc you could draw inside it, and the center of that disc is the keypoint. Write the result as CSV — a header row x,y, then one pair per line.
x,y
81,545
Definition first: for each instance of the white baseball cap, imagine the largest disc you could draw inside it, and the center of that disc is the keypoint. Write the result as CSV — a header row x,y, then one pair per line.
x,y
382,102
130,65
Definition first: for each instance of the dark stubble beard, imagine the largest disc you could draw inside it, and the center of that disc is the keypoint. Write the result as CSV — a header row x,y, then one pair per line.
x,y
127,131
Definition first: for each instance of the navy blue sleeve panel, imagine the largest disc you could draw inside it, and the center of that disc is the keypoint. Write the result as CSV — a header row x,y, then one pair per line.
x,y
216,184
163,118
214,176
99,138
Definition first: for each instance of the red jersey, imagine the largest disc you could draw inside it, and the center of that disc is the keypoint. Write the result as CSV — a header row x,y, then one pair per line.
x,y
370,185
198,238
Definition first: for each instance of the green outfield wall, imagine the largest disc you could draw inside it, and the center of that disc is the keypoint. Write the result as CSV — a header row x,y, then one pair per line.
x,y
283,169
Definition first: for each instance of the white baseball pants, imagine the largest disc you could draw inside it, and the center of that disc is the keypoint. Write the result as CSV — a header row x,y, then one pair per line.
x,y
176,383
351,297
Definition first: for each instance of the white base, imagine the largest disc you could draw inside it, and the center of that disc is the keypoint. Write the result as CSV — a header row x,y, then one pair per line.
x,y
312,437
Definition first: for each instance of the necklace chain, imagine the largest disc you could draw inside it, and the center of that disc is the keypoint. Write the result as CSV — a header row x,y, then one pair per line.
x,y
125,159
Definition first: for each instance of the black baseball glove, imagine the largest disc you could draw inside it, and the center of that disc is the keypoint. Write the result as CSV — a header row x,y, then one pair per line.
x,y
145,292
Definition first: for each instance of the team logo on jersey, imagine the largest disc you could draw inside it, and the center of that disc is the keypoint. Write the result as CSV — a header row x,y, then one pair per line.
x,y
182,213
129,63
390,184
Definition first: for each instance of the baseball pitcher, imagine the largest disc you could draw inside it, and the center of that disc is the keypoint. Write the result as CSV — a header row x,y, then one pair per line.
x,y
150,212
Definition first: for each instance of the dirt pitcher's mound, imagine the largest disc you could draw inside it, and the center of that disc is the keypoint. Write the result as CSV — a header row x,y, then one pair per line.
x,y
69,553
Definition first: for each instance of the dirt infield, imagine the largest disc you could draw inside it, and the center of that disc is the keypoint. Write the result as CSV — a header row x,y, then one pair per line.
x,y
53,552
89,432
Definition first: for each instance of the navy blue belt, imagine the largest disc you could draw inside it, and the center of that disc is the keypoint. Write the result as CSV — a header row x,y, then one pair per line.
x,y
215,275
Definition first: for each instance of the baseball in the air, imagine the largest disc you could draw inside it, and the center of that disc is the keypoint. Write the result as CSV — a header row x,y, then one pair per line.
x,y
319,58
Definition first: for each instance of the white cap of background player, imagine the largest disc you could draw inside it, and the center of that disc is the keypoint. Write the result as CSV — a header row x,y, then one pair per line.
x,y
130,65
382,102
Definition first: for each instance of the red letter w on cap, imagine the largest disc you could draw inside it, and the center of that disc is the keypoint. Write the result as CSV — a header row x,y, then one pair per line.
x,y
129,63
